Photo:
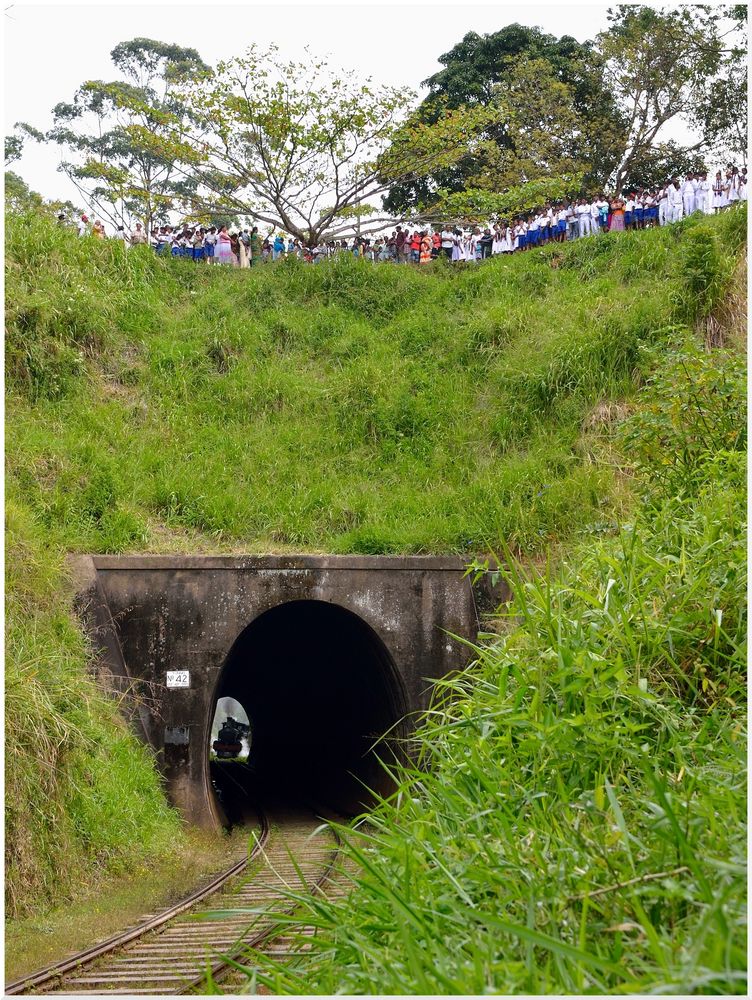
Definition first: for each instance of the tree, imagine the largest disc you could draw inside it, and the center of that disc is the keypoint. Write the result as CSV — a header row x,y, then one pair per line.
x,y
662,64
109,128
544,137
480,67
304,148
20,198
720,110
18,195
13,148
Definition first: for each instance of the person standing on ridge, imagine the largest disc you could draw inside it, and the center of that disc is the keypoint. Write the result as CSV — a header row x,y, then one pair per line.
x,y
255,247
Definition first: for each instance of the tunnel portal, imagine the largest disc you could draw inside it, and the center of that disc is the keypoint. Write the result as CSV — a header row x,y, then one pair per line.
x,y
326,654
321,691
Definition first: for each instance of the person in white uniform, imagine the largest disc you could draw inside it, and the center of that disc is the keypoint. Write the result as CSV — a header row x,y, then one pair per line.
x,y
663,206
697,205
583,218
561,223
704,194
675,202
688,194
595,216
733,196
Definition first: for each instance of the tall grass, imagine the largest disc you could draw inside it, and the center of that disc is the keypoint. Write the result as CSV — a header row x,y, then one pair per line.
x,y
81,794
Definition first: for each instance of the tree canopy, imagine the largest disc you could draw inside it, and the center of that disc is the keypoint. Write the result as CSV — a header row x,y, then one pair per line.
x,y
663,63
512,115
570,77
13,148
304,148
107,132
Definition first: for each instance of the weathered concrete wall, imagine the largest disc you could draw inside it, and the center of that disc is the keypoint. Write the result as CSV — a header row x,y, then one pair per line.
x,y
153,614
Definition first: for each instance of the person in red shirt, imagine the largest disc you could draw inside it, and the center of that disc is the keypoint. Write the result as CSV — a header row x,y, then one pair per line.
x,y
415,242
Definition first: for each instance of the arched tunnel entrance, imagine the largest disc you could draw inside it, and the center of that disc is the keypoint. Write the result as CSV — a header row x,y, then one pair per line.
x,y
325,706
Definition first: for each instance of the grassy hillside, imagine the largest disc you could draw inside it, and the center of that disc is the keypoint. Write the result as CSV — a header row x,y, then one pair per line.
x,y
348,408
158,406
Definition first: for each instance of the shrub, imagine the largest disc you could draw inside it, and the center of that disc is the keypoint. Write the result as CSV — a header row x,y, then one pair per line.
x,y
694,412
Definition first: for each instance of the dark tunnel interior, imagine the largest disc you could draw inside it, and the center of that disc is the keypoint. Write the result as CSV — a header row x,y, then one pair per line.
x,y
320,689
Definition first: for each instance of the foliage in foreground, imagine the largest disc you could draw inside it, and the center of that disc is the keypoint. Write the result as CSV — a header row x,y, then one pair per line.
x,y
577,821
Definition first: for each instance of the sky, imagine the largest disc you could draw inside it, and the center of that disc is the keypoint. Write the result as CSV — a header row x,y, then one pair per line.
x,y
50,49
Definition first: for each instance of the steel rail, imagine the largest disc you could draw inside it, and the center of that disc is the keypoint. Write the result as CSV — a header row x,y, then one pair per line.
x,y
220,968
81,958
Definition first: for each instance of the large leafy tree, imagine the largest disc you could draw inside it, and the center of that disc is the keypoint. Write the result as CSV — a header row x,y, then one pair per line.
x,y
541,162
542,126
720,110
662,64
656,164
106,133
304,148
571,84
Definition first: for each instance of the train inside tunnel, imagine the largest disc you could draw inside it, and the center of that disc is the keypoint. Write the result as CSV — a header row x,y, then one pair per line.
x,y
324,705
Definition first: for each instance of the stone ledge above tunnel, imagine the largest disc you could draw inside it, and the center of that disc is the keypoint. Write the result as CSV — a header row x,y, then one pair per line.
x,y
447,564
151,615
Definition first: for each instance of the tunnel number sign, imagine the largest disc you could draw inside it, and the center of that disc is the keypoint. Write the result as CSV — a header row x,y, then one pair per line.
x,y
178,678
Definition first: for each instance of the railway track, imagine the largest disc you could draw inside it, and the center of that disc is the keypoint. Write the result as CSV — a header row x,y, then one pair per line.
x,y
172,951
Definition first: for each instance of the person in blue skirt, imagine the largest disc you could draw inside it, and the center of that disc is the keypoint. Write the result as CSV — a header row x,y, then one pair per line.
x,y
199,252
629,211
638,211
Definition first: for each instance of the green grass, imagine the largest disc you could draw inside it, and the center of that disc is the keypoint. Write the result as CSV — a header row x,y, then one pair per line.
x,y
157,406
346,408
576,819
81,793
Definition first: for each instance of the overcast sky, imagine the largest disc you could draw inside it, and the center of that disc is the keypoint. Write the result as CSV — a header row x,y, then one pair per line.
x,y
50,49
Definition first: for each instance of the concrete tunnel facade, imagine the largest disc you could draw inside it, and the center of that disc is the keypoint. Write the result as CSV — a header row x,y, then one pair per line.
x,y
325,653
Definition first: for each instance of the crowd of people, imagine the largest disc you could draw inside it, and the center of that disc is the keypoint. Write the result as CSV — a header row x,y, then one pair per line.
x,y
553,222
